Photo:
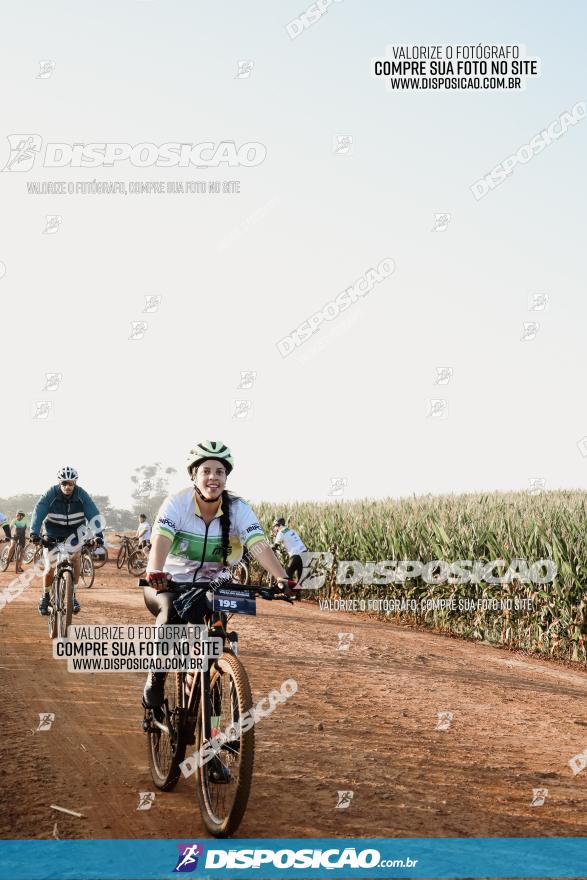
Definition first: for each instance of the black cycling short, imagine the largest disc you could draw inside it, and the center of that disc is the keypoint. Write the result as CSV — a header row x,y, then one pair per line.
x,y
19,535
295,567
160,604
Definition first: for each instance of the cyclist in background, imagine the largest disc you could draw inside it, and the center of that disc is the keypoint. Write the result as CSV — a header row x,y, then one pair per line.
x,y
5,526
19,527
143,532
197,533
63,509
294,547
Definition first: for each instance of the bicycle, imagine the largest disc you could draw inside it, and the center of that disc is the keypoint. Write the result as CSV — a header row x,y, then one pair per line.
x,y
127,547
196,708
8,554
61,591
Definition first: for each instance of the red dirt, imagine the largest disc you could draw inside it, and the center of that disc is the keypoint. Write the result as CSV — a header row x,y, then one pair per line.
x,y
362,720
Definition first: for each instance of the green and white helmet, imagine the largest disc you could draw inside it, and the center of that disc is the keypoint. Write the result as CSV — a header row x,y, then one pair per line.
x,y
214,449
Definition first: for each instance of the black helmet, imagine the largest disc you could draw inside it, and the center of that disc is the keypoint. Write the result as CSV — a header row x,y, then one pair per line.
x,y
279,522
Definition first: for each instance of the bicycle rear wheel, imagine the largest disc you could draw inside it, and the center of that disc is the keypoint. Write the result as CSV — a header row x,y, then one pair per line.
x,y
223,805
137,563
166,749
87,572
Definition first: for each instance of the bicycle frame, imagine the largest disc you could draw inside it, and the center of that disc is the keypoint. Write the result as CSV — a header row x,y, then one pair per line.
x,y
200,685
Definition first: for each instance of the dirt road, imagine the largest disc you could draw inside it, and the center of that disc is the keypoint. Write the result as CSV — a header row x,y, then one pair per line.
x,y
364,720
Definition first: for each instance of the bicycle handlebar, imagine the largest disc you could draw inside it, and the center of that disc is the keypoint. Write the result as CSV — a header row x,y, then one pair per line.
x,y
268,593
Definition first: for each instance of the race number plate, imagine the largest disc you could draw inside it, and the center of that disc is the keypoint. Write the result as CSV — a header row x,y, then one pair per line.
x,y
235,601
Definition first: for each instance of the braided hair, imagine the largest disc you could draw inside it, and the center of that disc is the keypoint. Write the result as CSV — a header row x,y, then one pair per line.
x,y
227,499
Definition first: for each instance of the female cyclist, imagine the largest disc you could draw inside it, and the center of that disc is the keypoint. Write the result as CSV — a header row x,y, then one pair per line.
x,y
196,534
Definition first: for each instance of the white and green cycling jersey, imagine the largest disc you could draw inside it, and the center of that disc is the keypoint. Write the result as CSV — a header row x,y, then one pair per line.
x,y
196,548
291,541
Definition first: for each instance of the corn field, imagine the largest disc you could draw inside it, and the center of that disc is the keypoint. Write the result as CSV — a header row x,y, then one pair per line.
x,y
548,525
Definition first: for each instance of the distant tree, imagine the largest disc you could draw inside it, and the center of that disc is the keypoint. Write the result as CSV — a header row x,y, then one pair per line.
x,y
151,484
25,501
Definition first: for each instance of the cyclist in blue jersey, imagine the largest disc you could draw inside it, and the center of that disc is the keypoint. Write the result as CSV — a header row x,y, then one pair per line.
x,y
62,510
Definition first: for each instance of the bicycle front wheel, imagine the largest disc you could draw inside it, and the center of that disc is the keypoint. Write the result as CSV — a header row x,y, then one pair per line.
x,y
5,557
241,573
64,597
87,572
29,553
223,803
121,558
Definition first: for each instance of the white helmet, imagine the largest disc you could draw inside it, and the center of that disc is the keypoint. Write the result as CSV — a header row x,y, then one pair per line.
x,y
67,473
210,449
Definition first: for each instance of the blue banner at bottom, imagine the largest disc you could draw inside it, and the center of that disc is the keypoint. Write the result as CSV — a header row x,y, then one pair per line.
x,y
541,857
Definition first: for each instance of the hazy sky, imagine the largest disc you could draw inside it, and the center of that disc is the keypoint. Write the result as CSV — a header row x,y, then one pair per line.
x,y
238,272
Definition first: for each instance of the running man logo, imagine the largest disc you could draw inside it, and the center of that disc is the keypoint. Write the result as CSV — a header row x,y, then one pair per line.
x,y
46,719
437,408
187,861
316,567
443,375
444,720
529,331
146,800
537,302
46,69
337,486
52,223
539,795
52,381
241,409
342,145
247,379
138,329
245,68
344,800
42,409
344,641
152,303
441,222
23,151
